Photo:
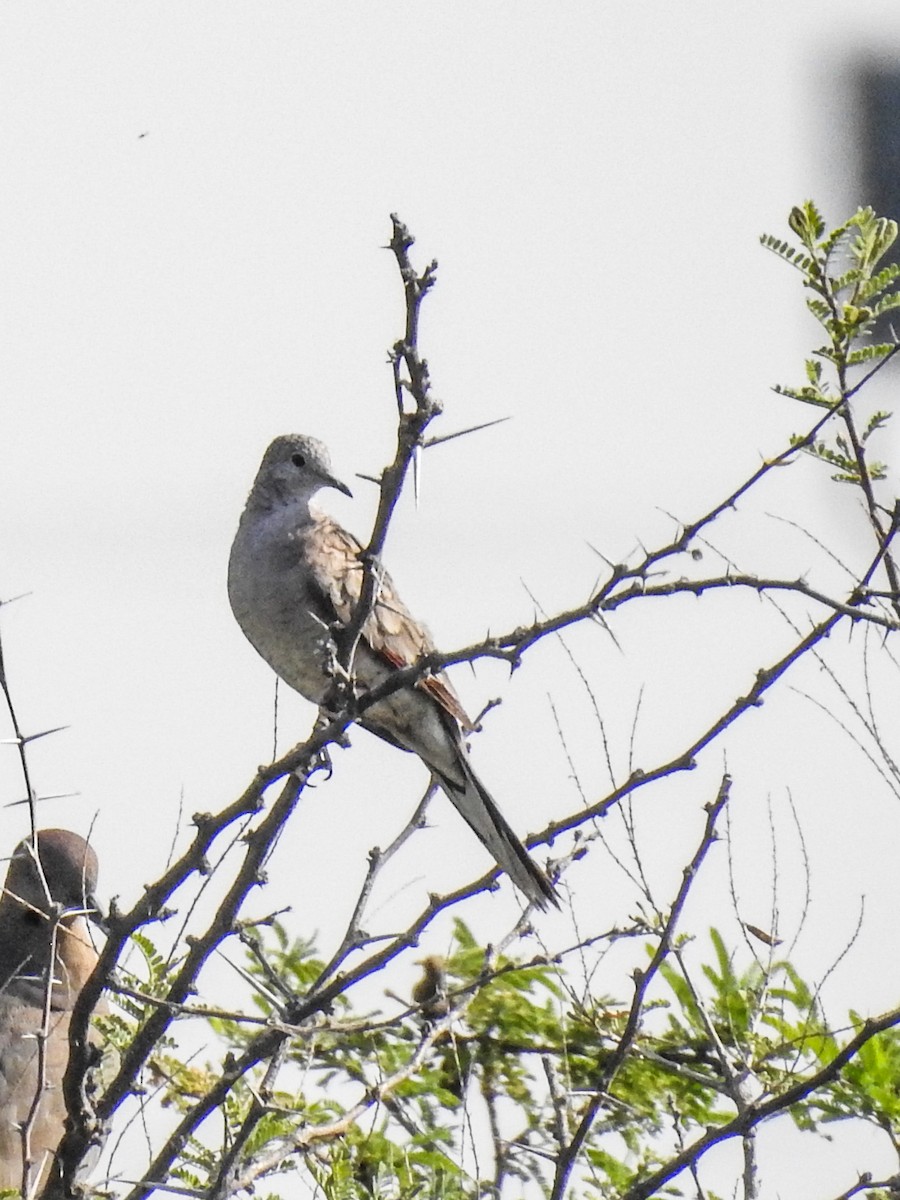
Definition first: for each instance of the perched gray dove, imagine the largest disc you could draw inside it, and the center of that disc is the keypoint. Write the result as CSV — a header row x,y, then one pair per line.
x,y
32,900
294,576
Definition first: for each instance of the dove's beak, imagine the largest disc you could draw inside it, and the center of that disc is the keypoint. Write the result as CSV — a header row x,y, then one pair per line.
x,y
333,481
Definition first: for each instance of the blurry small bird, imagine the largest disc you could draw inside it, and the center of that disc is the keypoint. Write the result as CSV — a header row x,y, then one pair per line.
x,y
430,992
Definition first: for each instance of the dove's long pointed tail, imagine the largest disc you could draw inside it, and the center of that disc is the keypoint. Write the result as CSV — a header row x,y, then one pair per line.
x,y
475,805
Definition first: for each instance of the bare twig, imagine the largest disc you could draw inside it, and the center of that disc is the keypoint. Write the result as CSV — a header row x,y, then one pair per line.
x,y
643,979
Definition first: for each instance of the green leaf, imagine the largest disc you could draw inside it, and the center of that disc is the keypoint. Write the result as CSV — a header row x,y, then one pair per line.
x,y
806,221
886,304
879,281
792,255
868,353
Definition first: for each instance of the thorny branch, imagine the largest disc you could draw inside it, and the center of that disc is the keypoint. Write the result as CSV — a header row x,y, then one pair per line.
x,y
32,1170
845,412
755,1113
866,1183
20,739
411,427
643,980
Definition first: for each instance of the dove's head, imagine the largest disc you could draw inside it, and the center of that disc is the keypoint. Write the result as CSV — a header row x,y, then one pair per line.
x,y
46,900
68,871
294,468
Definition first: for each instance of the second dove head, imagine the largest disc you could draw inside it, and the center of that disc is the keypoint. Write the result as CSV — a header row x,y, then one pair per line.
x,y
68,871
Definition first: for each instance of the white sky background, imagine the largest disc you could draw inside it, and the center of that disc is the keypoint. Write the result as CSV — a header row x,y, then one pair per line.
x,y
593,180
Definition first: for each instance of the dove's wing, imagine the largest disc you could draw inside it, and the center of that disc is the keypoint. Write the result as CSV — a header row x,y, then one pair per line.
x,y
391,632
427,720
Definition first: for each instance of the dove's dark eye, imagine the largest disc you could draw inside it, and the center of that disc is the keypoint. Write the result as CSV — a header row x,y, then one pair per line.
x,y
298,460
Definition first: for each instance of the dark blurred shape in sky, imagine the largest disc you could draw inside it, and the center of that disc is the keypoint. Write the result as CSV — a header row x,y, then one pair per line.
x,y
878,89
